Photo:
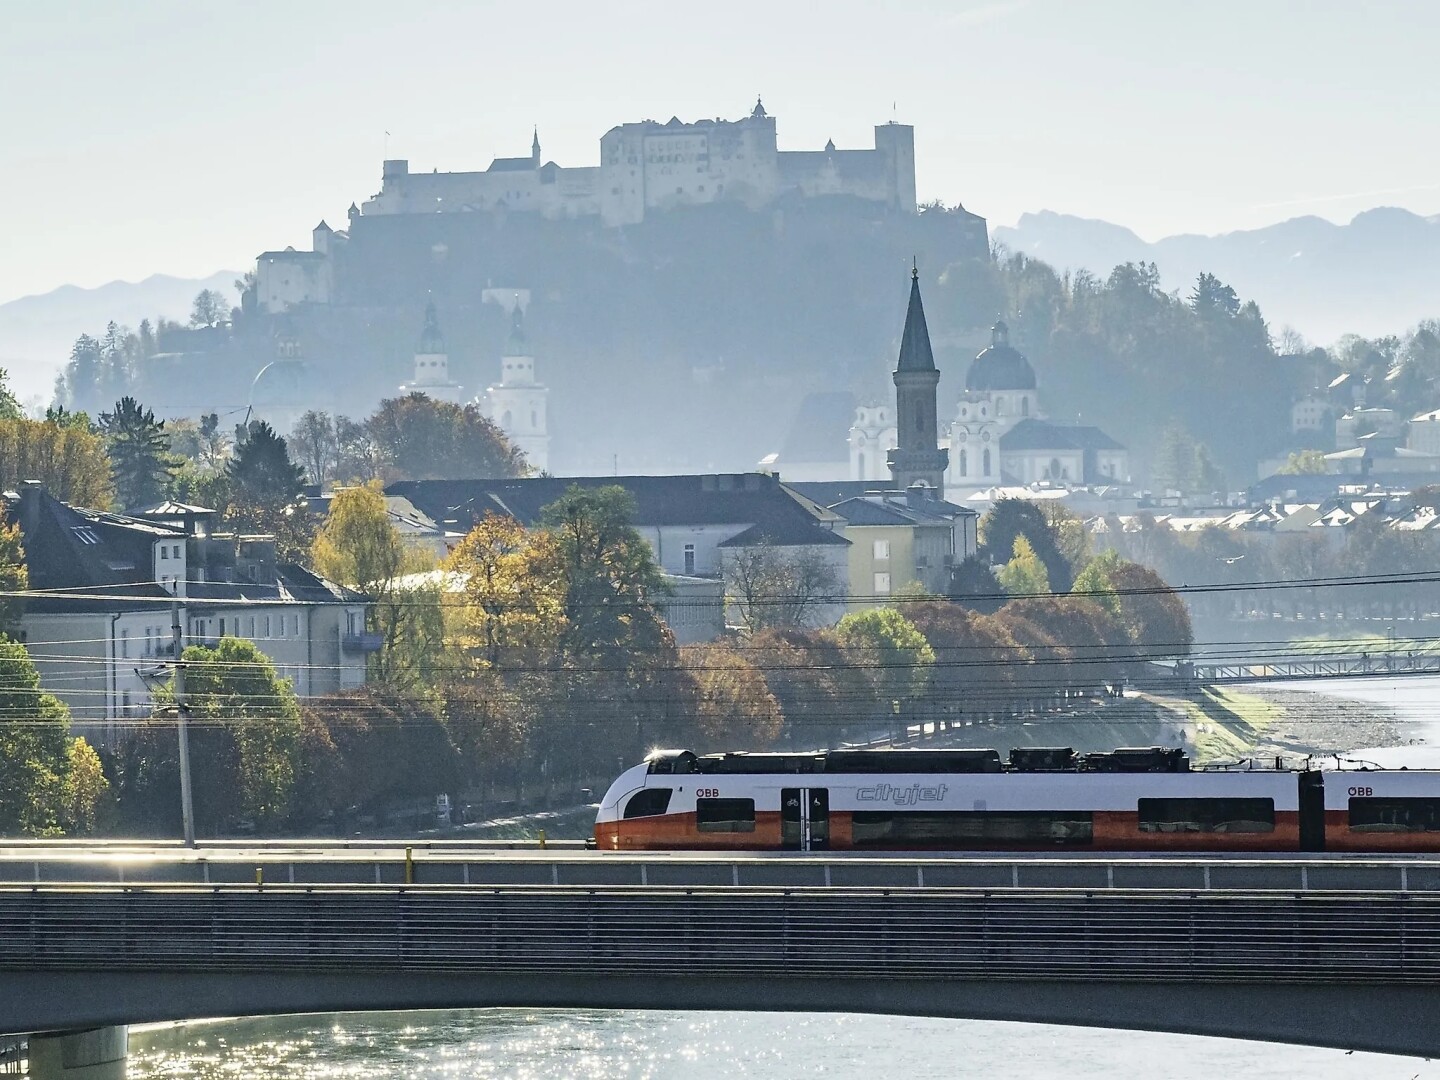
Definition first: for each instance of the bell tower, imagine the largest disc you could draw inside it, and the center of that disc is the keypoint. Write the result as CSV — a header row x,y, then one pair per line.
x,y
917,458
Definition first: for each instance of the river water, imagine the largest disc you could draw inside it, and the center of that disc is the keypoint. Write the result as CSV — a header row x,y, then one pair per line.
x,y
589,1045
584,1045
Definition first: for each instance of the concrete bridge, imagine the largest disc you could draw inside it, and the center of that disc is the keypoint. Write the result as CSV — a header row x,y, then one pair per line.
x,y
1352,968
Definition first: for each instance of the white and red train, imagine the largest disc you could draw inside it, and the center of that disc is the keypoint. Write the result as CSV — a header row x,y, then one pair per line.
x,y
1140,799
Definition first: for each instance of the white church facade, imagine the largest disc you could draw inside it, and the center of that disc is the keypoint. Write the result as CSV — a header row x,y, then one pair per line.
x,y
997,433
432,364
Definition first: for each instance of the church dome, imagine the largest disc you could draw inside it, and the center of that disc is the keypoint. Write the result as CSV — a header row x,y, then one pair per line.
x,y
1000,366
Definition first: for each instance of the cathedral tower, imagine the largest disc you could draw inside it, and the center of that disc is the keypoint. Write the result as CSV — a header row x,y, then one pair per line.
x,y
917,457
519,404
432,364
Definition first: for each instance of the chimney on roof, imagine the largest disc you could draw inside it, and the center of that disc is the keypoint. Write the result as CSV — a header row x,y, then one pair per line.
x,y
917,495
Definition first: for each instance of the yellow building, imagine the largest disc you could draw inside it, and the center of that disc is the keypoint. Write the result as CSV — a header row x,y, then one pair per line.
x,y
902,540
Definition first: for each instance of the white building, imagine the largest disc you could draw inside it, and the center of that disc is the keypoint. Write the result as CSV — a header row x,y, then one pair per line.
x,y
520,404
432,364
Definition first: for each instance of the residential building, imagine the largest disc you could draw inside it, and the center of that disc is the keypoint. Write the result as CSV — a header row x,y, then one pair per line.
x,y
110,587
902,540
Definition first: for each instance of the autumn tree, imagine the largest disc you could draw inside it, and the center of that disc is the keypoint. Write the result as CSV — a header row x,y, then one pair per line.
x,y
423,438
1024,574
14,577
512,593
68,459
733,705
357,546
314,444
9,403
771,587
822,695
977,659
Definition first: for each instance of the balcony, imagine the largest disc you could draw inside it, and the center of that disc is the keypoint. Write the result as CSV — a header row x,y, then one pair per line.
x,y
366,642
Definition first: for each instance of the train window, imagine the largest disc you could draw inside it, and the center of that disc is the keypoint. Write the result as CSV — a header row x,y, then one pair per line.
x,y
1395,815
1207,815
725,815
648,803
965,828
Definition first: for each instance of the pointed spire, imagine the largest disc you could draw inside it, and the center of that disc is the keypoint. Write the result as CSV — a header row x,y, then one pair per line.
x,y
516,345
535,146
829,146
915,352
431,340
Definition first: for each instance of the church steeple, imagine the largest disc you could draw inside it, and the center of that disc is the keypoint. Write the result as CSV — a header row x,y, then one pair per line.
x,y
431,340
918,457
515,345
535,147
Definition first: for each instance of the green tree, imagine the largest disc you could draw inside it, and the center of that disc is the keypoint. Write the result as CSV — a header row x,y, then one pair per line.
x,y
422,438
609,572
85,796
245,738
1011,518
1304,463
891,650
358,547
1024,574
513,586
13,575
34,748
265,489
139,451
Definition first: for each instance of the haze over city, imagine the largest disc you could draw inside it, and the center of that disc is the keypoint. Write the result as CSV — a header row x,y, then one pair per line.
x,y
752,540
176,138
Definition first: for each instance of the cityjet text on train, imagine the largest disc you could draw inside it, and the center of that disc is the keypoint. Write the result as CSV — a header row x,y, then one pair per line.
x,y
903,796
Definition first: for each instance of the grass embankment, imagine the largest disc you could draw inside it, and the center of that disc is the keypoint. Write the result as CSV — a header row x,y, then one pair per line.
x,y
1375,644
1221,723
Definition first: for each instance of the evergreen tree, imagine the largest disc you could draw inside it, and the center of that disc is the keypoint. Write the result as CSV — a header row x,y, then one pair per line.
x,y
9,404
1011,518
265,490
139,449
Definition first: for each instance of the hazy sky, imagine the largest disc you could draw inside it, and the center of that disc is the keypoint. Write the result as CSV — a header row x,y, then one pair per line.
x,y
183,136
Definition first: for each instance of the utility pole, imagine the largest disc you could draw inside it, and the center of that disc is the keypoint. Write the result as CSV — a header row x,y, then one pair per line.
x,y
187,803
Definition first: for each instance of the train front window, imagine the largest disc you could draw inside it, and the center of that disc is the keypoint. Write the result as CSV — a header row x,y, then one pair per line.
x,y
1207,815
725,815
648,803
1395,815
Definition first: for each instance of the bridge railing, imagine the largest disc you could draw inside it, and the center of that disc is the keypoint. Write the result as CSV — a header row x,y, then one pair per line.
x,y
1354,938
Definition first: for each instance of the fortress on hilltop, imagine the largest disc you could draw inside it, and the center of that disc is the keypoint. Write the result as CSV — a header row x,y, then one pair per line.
x,y
649,166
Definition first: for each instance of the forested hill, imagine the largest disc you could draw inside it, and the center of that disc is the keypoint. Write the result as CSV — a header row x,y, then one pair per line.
x,y
1378,274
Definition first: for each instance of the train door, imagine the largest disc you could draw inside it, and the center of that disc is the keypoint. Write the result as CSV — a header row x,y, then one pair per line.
x,y
805,819
1312,811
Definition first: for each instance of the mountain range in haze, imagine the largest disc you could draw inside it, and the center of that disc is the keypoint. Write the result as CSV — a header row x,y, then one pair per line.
x,y
1378,274
36,332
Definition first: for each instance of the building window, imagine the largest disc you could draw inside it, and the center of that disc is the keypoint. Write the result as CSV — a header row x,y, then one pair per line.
x,y
971,828
880,549
882,584
164,551
985,462
964,464
1024,406
176,551
725,815
251,623
125,643
689,558
267,626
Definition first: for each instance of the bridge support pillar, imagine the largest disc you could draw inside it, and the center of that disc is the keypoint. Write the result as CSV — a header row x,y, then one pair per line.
x,y
96,1054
